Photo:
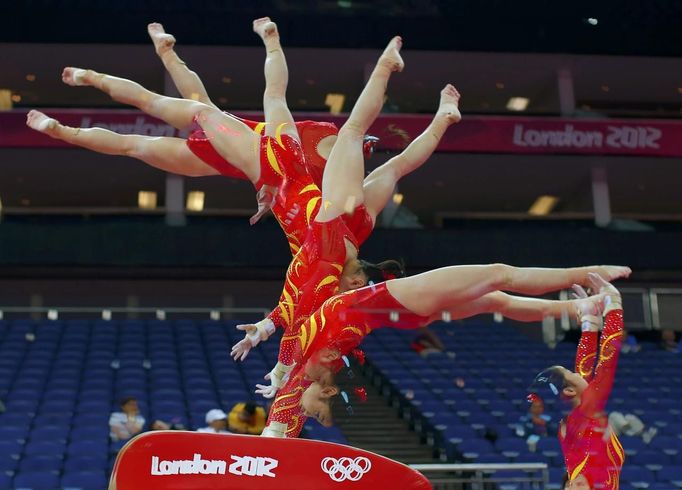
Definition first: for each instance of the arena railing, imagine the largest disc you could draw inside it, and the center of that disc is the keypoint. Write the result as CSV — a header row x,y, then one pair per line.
x,y
647,309
480,476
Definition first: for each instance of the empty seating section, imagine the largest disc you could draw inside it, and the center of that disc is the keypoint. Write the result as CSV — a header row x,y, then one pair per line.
x,y
60,380
476,422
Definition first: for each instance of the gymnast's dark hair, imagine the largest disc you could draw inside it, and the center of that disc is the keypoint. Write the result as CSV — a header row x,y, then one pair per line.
x,y
383,271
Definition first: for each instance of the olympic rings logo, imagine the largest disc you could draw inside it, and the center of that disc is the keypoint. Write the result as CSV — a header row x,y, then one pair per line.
x,y
343,469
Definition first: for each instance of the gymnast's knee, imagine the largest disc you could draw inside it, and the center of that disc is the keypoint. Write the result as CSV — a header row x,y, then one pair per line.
x,y
352,130
501,275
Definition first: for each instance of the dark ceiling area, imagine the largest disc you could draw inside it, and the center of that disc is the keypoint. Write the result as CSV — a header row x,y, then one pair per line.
x,y
617,86
624,27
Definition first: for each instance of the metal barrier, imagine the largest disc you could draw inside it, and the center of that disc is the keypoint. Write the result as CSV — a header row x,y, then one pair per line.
x,y
646,309
482,476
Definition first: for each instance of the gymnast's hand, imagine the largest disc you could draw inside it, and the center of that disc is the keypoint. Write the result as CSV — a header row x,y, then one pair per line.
x,y
612,299
268,391
265,198
254,334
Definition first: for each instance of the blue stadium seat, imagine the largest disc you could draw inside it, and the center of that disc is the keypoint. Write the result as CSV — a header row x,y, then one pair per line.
x,y
48,433
671,475
97,434
87,448
636,474
5,481
472,448
36,481
84,480
511,445
85,463
8,461
13,434
14,420
43,448
41,463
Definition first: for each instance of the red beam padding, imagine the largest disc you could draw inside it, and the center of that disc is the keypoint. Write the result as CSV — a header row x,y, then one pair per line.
x,y
181,460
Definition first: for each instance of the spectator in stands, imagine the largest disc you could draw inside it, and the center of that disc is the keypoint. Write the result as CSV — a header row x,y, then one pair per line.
x,y
535,424
426,342
669,342
128,422
630,344
217,422
247,418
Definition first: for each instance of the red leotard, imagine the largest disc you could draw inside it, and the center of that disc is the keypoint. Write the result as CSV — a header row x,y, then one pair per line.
x,y
310,134
313,275
590,448
295,168
312,278
200,144
340,325
286,409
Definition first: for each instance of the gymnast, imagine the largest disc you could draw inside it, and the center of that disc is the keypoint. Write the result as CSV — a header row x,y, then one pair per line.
x,y
592,452
196,156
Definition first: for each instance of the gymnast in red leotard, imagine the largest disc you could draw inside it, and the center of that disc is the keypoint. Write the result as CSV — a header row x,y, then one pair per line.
x,y
592,452
196,156
457,292
324,266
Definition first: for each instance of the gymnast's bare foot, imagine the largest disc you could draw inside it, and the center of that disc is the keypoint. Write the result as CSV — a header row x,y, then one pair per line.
x,y
265,28
391,56
613,272
163,42
40,122
76,77
449,104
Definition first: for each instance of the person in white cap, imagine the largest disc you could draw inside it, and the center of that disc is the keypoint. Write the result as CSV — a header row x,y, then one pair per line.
x,y
217,422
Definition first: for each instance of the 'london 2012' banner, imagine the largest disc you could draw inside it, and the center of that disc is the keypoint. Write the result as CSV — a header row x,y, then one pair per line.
x,y
475,134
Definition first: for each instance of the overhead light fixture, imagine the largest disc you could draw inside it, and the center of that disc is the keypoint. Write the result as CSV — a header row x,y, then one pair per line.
x,y
593,21
335,102
146,200
543,205
345,4
518,104
397,198
31,77
195,201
